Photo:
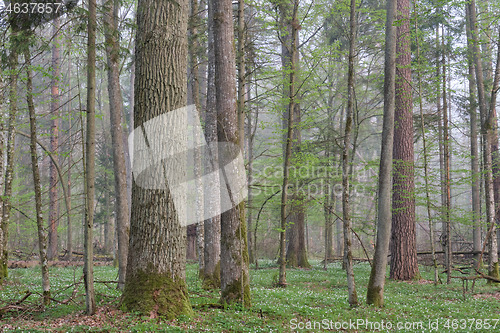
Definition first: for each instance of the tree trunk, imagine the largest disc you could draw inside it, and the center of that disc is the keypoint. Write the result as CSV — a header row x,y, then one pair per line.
x,y
375,292
88,256
211,278
296,252
494,245
426,157
115,116
54,143
234,255
488,124
474,149
42,238
403,238
447,237
346,207
69,239
289,50
155,280
191,242
9,169
194,49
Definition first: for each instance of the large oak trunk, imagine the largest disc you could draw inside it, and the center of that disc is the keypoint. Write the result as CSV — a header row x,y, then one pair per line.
x,y
155,279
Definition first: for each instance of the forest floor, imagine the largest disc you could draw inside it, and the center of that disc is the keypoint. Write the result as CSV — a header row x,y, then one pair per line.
x,y
314,299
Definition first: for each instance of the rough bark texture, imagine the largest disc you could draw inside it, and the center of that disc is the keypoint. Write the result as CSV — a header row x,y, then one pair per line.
x,y
375,292
211,278
403,237
234,255
42,238
115,116
54,143
155,279
88,252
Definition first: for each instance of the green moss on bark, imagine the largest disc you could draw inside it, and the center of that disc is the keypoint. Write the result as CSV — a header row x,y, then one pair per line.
x,y
4,272
494,273
374,297
156,294
374,294
232,293
212,281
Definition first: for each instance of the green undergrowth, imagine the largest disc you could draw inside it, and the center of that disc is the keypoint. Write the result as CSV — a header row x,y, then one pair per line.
x,y
312,295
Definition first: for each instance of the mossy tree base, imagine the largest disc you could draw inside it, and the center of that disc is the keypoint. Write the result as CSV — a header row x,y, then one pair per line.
x,y
375,297
212,281
4,271
156,295
232,294
495,273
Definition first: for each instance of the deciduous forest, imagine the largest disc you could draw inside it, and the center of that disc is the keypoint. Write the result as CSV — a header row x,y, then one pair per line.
x,y
249,165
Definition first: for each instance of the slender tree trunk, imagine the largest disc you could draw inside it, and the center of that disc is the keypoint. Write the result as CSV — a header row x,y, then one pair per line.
x,y
493,245
403,238
291,50
194,49
426,157
42,238
250,142
115,116
54,143
447,238
9,169
88,261
234,255
211,278
346,207
155,280
487,126
375,292
3,265
69,239
296,252
474,149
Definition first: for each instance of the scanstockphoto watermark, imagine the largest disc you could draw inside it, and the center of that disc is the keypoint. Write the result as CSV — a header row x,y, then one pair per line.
x,y
312,181
430,325
315,189
169,152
